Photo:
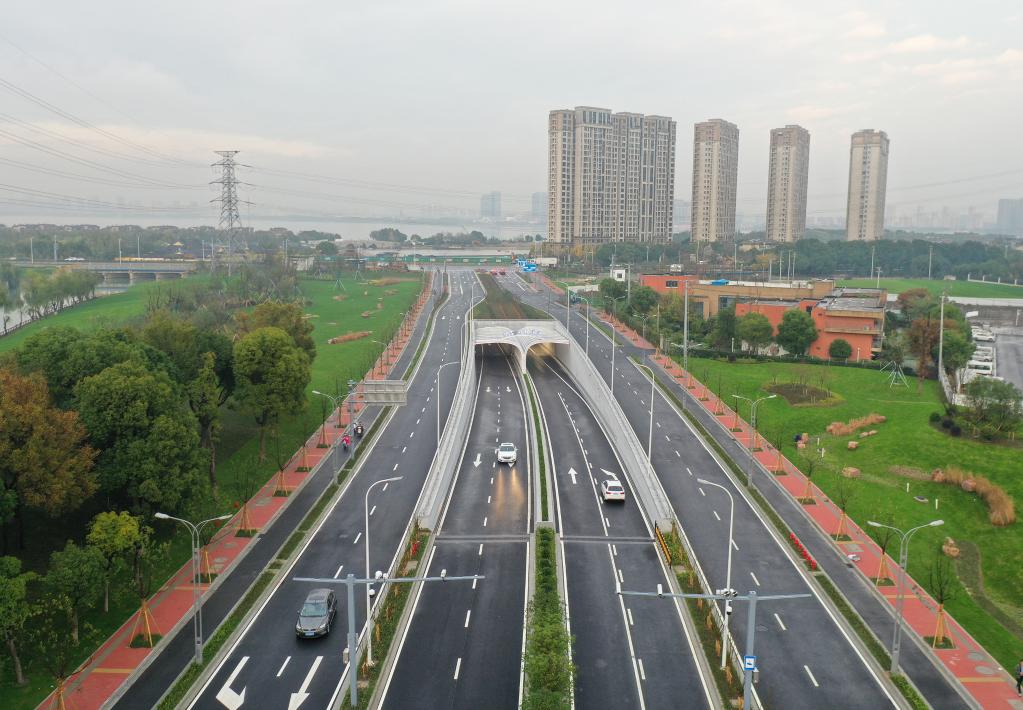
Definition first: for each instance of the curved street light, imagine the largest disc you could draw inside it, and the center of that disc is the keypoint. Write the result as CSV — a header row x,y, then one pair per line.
x,y
753,426
369,592
728,569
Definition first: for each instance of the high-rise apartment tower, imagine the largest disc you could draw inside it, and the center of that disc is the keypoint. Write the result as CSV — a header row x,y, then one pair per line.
x,y
612,177
868,181
789,167
490,205
715,172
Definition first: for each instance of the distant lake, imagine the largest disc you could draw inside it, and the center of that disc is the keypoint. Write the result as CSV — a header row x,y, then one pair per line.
x,y
17,315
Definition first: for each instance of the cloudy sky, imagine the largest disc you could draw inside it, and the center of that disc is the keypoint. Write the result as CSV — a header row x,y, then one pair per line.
x,y
451,97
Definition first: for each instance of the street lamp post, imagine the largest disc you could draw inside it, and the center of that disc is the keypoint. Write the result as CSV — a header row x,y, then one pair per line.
x,y
369,592
728,591
334,403
194,529
437,395
650,431
901,593
587,324
753,426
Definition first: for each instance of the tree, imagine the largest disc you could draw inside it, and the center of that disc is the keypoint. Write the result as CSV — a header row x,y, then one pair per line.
x,y
76,575
176,337
884,536
611,289
289,317
14,609
922,338
45,463
840,349
271,374
755,330
327,248
894,348
387,234
797,331
643,299
916,303
205,395
115,535
138,418
994,405
956,350
725,328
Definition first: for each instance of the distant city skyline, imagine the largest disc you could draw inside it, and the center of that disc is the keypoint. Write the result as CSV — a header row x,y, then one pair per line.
x,y
387,136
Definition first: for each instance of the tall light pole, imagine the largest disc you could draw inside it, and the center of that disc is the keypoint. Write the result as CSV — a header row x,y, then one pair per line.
x,y
194,529
753,426
369,590
901,592
587,324
613,300
437,395
650,432
728,591
333,402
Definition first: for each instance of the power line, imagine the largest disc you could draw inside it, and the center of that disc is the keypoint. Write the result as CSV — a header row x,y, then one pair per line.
x,y
84,178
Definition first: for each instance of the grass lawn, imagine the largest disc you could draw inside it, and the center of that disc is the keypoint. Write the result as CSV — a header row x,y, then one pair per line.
x,y
239,473
989,565
954,288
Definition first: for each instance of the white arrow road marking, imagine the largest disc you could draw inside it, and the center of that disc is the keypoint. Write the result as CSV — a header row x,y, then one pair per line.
x,y
299,697
507,388
488,388
612,476
227,697
573,474
478,460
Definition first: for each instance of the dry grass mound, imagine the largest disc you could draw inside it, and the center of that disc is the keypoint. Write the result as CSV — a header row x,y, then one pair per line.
x,y
349,337
1000,506
385,282
845,429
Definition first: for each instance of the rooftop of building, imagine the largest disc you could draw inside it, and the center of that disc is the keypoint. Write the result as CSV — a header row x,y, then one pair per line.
x,y
851,303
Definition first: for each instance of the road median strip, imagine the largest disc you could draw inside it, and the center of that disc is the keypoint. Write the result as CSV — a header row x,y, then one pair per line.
x,y
547,660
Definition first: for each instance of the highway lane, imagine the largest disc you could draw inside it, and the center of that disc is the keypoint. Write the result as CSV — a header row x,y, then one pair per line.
x,y
805,659
464,643
629,653
268,663
934,686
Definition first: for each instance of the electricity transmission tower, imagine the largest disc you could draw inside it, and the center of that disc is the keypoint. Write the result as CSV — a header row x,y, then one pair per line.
x,y
230,223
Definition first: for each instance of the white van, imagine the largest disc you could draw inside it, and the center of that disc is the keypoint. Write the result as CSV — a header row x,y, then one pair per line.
x,y
982,356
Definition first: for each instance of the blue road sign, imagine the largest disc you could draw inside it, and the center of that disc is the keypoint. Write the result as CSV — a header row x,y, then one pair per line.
x,y
749,663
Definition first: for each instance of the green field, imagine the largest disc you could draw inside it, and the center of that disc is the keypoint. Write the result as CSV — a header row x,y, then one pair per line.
x,y
238,471
988,565
951,288
500,304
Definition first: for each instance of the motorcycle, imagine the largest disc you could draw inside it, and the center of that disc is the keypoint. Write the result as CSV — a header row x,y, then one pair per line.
x,y
359,430
346,442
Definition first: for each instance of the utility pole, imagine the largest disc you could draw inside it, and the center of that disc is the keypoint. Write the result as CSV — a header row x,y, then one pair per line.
x,y
230,222
54,247
871,262
930,256
31,250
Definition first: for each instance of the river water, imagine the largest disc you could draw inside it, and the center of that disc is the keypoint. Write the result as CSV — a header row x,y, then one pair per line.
x,y
18,315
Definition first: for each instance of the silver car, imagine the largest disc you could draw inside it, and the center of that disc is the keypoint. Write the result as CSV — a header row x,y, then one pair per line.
x,y
317,614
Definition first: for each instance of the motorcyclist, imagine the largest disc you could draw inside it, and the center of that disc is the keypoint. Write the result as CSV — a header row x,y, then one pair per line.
x,y
346,441
358,430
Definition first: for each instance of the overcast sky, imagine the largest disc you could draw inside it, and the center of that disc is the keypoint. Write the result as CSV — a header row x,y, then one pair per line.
x,y
453,96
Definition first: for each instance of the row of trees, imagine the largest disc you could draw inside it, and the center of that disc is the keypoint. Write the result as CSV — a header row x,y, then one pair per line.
x,y
43,294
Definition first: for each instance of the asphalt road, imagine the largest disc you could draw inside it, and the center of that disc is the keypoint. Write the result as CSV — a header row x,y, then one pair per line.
x,y
804,658
268,663
1009,355
805,661
629,652
464,645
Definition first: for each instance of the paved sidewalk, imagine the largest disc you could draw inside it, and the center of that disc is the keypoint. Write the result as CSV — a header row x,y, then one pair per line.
x,y
968,662
100,676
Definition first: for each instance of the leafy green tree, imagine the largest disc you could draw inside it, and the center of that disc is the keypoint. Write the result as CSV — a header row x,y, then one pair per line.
x,y
993,404
205,395
14,609
177,338
45,463
388,234
139,420
76,575
725,328
956,350
894,348
840,349
643,299
755,330
271,374
610,289
797,331
289,317
922,338
327,248
115,535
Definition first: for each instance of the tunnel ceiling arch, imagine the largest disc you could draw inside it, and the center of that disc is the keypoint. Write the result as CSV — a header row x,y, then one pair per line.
x,y
520,334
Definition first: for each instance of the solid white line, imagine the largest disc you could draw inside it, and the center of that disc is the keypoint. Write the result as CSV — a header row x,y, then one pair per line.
x,y
614,550
467,613
778,619
481,549
338,573
642,673
716,515
458,666
755,580
357,538
372,510
812,679
283,666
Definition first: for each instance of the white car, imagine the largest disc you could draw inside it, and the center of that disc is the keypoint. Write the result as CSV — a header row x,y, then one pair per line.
x,y
984,336
507,453
612,490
